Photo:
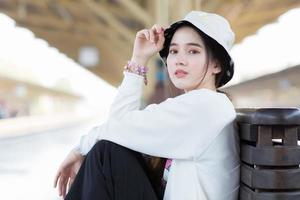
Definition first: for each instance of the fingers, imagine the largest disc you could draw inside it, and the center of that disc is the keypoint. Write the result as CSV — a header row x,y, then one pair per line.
x,y
64,191
160,41
63,181
143,34
152,34
56,179
62,186
71,180
158,28
155,32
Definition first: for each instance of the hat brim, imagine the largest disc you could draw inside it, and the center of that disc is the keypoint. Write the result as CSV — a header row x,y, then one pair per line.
x,y
164,52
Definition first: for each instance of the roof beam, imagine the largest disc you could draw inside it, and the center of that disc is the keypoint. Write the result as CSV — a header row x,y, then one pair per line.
x,y
162,12
80,29
138,12
92,26
112,21
60,11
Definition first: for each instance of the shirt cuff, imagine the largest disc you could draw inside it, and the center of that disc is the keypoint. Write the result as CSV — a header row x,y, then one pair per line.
x,y
78,150
131,82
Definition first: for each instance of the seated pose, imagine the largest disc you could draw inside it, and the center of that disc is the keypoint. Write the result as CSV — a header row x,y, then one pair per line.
x,y
195,131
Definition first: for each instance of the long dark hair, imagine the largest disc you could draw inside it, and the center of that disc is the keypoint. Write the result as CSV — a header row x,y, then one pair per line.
x,y
214,51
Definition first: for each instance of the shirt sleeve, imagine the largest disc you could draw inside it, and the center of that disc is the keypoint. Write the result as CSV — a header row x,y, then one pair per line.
x,y
128,98
129,95
178,128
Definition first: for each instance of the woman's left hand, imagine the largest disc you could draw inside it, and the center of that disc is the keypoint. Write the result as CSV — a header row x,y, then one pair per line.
x,y
67,172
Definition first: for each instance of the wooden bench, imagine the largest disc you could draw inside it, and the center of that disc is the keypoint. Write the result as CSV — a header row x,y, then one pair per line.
x,y
270,153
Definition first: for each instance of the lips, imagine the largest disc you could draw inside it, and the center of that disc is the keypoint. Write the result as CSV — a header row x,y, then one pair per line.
x,y
179,73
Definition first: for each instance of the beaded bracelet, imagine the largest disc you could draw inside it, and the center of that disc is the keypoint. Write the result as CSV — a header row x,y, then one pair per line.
x,y
137,69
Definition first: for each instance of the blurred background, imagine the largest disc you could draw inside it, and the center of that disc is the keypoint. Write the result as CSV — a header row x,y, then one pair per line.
x,y
61,62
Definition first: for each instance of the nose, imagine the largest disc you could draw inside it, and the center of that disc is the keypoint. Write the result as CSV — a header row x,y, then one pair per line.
x,y
181,59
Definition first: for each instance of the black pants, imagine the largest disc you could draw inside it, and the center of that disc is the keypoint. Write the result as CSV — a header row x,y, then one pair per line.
x,y
112,172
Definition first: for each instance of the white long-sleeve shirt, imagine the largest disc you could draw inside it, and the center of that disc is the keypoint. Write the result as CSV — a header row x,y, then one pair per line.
x,y
196,129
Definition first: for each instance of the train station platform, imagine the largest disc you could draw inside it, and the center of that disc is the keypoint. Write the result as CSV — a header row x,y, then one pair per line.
x,y
13,127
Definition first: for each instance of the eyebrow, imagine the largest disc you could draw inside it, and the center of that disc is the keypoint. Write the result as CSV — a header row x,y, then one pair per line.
x,y
189,44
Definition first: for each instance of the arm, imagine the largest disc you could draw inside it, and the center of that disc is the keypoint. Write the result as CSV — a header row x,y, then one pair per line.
x,y
129,95
147,43
143,50
179,128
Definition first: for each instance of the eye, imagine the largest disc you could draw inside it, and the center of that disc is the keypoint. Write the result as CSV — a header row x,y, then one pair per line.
x,y
172,51
193,52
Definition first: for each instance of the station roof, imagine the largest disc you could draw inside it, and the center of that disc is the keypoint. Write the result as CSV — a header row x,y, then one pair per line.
x,y
110,25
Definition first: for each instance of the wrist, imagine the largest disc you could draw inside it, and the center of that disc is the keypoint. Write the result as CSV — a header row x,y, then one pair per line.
x,y
78,155
76,152
142,61
136,68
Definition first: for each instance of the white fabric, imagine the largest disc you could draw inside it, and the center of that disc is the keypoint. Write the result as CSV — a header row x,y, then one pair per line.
x,y
195,129
214,25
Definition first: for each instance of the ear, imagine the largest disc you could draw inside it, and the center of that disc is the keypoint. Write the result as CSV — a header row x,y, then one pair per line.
x,y
216,68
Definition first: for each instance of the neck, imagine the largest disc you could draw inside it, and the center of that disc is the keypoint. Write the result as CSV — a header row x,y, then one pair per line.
x,y
213,89
205,86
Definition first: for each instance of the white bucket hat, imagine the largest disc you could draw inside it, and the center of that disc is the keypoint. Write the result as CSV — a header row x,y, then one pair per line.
x,y
214,26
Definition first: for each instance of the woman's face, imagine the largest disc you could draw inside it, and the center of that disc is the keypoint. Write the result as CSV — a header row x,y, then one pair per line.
x,y
187,61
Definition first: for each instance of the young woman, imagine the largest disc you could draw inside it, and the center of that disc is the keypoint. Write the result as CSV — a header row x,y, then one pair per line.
x,y
195,131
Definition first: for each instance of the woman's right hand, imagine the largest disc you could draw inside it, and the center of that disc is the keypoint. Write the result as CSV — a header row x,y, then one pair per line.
x,y
67,172
147,43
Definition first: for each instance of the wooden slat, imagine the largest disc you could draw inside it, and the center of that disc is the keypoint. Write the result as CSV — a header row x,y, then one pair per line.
x,y
162,12
97,9
248,194
270,156
93,26
290,136
264,137
140,13
270,178
248,132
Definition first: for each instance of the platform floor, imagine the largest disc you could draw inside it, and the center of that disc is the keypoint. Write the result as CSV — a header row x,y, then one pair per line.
x,y
28,163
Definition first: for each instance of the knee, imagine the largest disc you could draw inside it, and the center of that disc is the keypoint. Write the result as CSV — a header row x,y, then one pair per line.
x,y
100,146
104,145
98,151
104,150
108,148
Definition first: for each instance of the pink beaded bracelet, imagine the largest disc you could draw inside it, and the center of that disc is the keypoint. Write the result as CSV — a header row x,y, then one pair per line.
x,y
137,69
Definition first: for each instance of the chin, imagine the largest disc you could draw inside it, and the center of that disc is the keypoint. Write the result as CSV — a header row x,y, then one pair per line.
x,y
181,86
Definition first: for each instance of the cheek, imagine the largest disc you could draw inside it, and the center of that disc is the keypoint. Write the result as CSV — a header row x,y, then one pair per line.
x,y
169,61
197,65
169,70
170,64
